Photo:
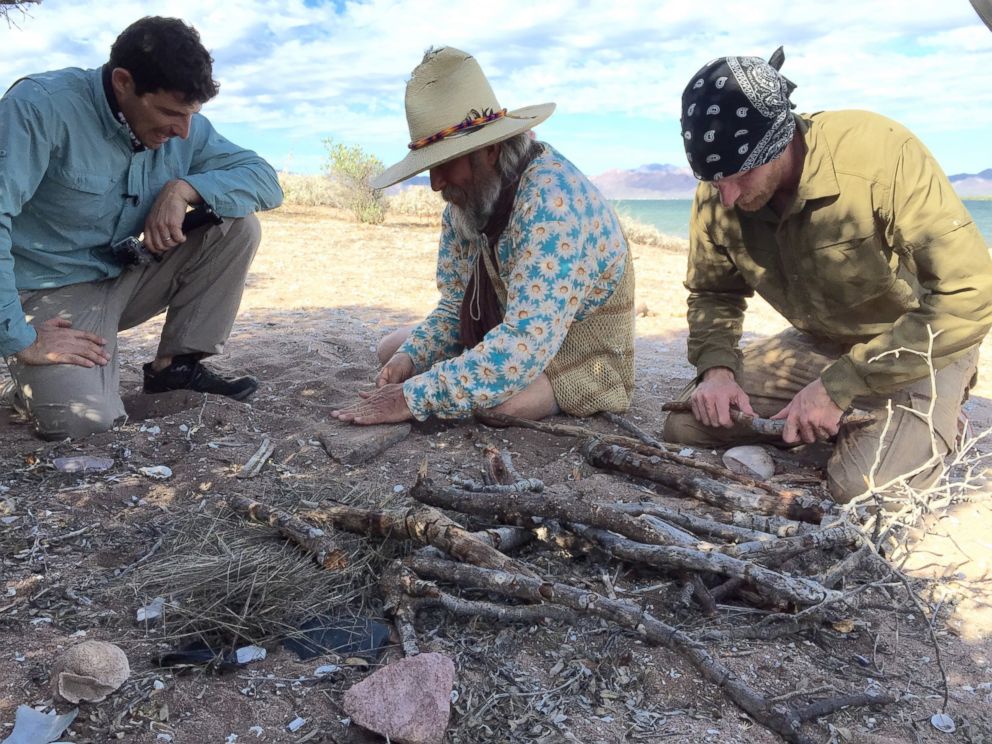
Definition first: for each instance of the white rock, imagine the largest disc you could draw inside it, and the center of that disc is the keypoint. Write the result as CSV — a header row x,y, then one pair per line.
x,y
750,460
158,472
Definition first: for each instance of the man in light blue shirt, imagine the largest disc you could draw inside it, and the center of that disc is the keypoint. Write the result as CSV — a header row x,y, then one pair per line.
x,y
88,159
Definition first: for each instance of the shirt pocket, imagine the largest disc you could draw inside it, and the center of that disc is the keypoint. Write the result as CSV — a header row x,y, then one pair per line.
x,y
850,272
76,197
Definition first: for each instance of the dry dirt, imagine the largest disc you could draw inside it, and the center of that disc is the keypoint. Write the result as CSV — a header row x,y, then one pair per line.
x,y
321,292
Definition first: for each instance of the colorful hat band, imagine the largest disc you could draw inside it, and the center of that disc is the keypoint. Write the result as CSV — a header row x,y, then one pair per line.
x,y
471,124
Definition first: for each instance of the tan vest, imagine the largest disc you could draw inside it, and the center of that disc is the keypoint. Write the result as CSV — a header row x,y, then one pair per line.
x,y
593,370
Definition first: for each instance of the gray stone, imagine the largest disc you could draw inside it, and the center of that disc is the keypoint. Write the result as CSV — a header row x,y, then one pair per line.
x,y
353,445
408,701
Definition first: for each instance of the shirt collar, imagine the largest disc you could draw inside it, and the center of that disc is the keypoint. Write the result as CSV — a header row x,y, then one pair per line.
x,y
115,110
819,178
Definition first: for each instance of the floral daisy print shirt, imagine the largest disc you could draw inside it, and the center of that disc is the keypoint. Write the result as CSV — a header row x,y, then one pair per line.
x,y
561,256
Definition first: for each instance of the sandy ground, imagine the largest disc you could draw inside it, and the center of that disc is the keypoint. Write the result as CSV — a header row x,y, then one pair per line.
x,y
321,292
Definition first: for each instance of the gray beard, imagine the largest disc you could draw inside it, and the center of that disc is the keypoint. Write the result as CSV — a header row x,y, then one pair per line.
x,y
468,221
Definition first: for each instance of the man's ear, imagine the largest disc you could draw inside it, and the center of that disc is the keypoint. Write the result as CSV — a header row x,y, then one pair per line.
x,y
122,81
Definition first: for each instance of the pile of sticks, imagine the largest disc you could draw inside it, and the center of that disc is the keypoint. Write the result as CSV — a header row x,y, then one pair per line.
x,y
751,530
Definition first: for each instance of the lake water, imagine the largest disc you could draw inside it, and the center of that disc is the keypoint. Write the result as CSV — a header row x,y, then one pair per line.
x,y
671,216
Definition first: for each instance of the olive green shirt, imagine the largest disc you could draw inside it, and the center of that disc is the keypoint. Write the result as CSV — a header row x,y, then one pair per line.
x,y
875,249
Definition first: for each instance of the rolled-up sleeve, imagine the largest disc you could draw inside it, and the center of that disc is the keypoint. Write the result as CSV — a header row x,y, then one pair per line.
x,y
234,181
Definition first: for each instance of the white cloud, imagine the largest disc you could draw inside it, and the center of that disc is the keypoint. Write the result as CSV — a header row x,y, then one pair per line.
x,y
292,73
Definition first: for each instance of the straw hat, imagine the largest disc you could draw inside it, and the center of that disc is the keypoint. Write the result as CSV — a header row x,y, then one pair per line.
x,y
451,110
984,10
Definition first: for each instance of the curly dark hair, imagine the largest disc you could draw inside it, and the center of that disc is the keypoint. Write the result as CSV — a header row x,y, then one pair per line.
x,y
165,54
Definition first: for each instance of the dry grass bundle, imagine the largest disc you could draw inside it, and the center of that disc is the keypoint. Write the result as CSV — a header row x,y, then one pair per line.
x,y
311,191
418,201
643,234
231,582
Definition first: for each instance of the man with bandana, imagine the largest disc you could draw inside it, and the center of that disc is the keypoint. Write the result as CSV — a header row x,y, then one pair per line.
x,y
536,314
89,160
846,225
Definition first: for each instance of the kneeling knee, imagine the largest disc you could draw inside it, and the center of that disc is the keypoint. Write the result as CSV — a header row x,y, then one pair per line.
x,y
72,421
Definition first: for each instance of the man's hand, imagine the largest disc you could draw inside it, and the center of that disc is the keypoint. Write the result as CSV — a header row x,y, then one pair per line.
x,y
715,395
811,415
398,369
164,224
59,343
383,406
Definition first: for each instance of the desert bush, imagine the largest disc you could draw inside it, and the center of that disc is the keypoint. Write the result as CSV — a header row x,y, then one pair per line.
x,y
638,232
311,191
418,201
354,169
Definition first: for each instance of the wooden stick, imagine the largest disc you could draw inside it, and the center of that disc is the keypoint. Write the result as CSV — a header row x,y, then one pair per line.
x,y
699,525
424,525
312,539
822,708
794,589
766,426
831,537
257,461
847,567
666,451
773,525
520,508
629,615
682,480
639,433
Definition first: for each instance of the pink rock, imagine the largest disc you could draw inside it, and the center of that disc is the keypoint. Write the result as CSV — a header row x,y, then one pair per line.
x,y
408,702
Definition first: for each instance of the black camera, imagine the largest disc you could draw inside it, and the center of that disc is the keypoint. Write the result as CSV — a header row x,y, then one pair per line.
x,y
131,252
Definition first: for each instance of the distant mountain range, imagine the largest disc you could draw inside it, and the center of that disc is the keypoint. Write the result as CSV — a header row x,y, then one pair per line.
x,y
663,181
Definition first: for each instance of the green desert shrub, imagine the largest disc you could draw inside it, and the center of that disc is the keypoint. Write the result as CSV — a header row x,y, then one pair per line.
x,y
353,168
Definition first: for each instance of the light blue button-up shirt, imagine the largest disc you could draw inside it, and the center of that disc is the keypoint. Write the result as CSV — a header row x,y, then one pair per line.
x,y
71,185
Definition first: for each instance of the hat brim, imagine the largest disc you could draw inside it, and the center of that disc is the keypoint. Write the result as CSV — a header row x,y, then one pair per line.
x,y
440,152
984,10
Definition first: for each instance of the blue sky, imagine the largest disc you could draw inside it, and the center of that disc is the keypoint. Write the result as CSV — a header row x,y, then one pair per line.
x,y
294,72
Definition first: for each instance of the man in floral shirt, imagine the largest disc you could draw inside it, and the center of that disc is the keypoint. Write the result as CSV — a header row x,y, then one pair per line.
x,y
536,281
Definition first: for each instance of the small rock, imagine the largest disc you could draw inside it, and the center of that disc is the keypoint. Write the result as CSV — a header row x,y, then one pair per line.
x,y
82,464
257,730
750,460
89,672
326,669
296,724
357,444
408,701
158,472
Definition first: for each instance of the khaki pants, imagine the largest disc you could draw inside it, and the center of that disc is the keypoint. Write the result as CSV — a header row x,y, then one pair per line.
x,y
200,284
777,368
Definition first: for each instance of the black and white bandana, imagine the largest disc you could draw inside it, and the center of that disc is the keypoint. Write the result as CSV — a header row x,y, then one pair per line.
x,y
736,115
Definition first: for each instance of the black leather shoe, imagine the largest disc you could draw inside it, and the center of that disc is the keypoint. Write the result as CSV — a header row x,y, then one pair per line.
x,y
186,373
